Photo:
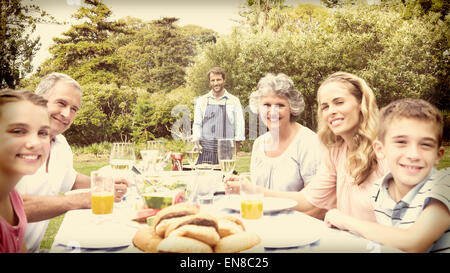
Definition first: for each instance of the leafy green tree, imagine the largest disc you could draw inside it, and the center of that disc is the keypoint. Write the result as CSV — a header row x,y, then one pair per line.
x,y
106,114
264,14
397,57
418,8
159,53
342,3
85,52
18,47
198,37
152,114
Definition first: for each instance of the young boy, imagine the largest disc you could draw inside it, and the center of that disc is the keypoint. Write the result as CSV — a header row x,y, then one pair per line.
x,y
411,202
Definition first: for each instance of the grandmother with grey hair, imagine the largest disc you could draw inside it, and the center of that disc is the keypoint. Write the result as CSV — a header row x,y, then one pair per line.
x,y
289,154
41,191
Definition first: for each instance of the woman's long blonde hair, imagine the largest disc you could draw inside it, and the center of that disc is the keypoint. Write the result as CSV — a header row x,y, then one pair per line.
x,y
361,160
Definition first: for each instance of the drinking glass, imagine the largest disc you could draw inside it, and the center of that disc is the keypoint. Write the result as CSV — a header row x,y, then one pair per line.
x,y
226,152
206,184
252,195
153,156
122,157
192,152
102,192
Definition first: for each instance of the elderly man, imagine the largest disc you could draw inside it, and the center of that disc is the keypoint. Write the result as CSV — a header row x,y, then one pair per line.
x,y
40,191
218,114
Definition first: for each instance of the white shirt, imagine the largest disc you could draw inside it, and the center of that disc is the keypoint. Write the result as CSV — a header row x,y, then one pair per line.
x,y
234,113
295,166
60,178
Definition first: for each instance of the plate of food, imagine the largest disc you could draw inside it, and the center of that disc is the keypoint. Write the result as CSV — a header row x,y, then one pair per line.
x,y
183,228
270,204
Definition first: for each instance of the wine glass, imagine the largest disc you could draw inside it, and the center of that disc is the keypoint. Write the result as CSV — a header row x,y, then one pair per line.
x,y
226,153
122,157
192,152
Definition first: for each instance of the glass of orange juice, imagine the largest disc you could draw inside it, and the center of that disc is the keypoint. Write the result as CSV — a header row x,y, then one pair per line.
x,y
102,192
252,195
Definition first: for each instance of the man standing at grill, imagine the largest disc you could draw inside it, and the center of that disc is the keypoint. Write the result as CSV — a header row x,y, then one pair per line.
x,y
217,115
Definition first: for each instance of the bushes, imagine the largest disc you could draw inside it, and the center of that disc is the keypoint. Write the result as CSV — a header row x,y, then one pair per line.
x,y
114,114
152,114
397,57
105,115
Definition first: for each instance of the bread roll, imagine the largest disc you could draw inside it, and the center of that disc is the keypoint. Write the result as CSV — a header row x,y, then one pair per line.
x,y
164,224
229,225
174,211
237,242
146,240
176,244
200,219
208,235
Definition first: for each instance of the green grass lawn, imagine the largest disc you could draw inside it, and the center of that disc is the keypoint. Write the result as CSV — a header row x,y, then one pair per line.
x,y
85,166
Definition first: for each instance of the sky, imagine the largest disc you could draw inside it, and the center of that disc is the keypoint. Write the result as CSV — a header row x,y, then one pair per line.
x,y
218,15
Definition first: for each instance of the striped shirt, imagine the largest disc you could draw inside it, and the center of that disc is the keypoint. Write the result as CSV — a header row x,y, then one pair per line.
x,y
405,212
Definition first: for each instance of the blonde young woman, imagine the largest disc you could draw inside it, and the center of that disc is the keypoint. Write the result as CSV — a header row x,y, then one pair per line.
x,y
348,123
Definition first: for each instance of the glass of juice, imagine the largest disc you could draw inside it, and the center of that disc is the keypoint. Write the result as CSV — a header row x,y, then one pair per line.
x,y
102,192
252,195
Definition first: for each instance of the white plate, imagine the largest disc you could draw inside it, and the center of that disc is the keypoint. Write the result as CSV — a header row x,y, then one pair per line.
x,y
291,231
77,191
270,204
86,230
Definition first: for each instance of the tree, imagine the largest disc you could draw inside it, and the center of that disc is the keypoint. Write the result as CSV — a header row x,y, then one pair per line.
x,y
418,8
198,37
18,47
341,3
106,114
160,51
159,55
264,14
153,113
85,52
397,57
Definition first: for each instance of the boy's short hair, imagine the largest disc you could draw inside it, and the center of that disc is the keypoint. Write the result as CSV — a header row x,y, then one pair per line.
x,y
411,109
216,70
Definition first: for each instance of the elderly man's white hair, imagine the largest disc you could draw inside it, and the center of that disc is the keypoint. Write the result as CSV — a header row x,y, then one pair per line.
x,y
50,80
